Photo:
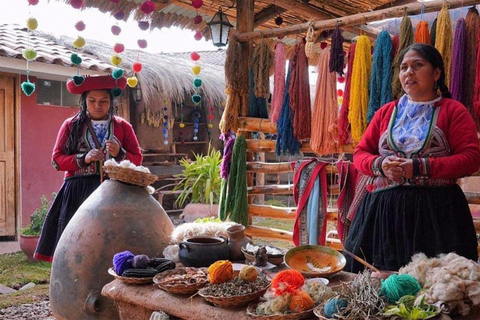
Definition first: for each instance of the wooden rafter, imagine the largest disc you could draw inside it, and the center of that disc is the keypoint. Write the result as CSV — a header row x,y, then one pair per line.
x,y
266,14
307,12
411,9
396,3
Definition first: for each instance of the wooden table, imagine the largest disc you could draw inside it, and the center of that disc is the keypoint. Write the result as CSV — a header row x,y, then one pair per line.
x,y
137,302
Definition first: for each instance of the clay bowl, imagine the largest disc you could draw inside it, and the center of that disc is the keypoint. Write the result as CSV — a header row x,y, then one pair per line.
x,y
315,261
276,259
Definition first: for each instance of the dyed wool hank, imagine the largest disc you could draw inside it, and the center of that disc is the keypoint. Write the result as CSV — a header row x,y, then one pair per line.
x,y
444,40
472,24
299,90
337,59
362,66
406,39
262,62
381,79
257,106
278,82
422,34
344,135
458,63
325,109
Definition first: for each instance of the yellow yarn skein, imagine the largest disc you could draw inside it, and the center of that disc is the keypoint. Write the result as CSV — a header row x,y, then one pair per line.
x,y
362,66
220,271
444,40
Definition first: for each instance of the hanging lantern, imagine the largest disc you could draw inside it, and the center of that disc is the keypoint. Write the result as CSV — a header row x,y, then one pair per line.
x,y
219,29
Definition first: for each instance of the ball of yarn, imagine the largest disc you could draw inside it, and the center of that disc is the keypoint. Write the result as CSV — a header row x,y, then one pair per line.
x,y
140,261
399,285
248,273
122,261
301,301
220,271
287,281
334,306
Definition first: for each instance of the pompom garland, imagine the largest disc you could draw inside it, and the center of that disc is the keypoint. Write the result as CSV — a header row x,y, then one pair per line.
x,y
287,281
220,272
76,4
80,26
116,30
122,261
147,7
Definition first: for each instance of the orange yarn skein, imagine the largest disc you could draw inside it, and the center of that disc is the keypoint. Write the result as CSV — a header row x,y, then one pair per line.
x,y
220,271
301,301
287,281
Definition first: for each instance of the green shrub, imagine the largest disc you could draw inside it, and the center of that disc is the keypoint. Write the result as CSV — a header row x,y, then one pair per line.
x,y
200,179
38,217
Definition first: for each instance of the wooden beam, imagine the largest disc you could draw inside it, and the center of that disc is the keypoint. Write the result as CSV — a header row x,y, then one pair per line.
x,y
256,145
333,189
399,11
269,233
395,4
159,6
284,213
250,124
281,167
473,197
267,14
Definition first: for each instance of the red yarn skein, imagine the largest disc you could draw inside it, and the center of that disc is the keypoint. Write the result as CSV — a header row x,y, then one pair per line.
x,y
287,281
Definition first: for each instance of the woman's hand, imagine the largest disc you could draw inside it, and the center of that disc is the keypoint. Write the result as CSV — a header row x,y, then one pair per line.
x,y
113,148
94,155
391,168
407,166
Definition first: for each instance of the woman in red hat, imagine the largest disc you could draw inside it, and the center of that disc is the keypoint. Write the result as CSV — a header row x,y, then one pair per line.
x,y
83,142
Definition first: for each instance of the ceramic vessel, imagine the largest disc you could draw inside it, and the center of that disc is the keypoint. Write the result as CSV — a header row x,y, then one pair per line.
x,y
203,251
28,244
115,218
236,241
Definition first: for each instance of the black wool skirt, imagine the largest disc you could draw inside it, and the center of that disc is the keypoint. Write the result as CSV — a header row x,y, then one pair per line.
x,y
392,225
71,195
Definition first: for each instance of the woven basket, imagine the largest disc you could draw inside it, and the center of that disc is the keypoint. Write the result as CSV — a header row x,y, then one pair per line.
x,y
179,288
130,280
130,176
251,311
234,301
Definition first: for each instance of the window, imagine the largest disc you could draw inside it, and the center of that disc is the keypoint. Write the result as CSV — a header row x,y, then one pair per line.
x,y
52,92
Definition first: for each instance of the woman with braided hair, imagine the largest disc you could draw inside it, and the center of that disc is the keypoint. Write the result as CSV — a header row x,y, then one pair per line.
x,y
413,151
83,142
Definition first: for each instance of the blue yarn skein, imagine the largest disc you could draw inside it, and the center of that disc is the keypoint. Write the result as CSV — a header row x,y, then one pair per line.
x,y
334,306
399,285
122,261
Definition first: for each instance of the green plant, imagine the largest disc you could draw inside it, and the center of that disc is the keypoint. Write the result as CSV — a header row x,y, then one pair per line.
x,y
200,178
38,217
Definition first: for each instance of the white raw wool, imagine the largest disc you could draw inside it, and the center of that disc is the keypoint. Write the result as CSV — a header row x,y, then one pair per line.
x,y
270,250
111,162
450,280
192,229
125,164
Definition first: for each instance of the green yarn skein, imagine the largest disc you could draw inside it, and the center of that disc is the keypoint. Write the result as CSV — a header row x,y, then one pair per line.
x,y
399,285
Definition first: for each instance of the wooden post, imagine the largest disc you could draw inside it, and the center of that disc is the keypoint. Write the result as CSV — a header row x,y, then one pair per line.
x,y
359,18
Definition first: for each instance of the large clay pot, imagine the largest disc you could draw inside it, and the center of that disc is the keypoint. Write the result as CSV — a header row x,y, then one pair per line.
x,y
203,251
116,217
236,241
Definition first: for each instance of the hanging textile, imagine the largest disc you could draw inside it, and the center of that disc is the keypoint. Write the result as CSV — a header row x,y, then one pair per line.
x,y
310,182
406,39
235,85
299,90
286,142
236,202
458,62
422,34
262,62
325,109
472,24
344,134
362,65
381,80
433,32
444,40
257,106
347,176
337,59
278,82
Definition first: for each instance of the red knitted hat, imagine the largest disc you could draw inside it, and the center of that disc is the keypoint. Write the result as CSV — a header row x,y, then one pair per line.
x,y
95,83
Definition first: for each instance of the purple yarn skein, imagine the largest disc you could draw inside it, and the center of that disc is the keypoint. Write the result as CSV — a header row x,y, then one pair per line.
x,y
122,261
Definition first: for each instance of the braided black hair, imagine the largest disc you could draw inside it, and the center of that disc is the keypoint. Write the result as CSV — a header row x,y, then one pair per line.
x,y
78,122
434,57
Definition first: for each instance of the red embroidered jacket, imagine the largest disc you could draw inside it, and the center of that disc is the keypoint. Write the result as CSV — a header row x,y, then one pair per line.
x,y
451,150
74,164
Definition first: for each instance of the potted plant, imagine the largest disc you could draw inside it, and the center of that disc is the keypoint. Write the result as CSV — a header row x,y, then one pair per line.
x,y
29,236
200,184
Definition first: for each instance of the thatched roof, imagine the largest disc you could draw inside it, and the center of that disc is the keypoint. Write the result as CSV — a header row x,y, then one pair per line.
x,y
166,76
180,12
